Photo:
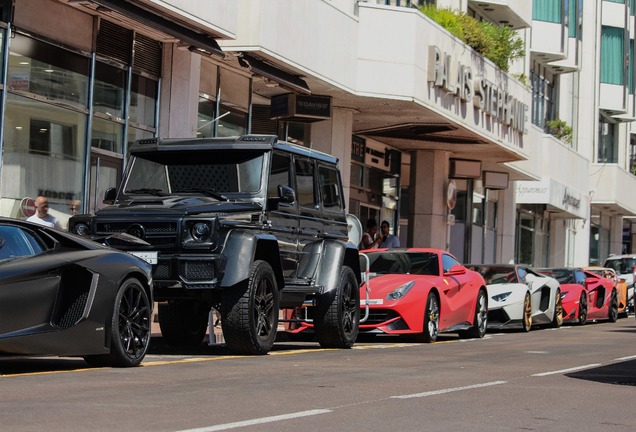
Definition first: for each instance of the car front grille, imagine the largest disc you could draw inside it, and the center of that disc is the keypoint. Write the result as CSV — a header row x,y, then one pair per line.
x,y
196,271
498,315
163,233
379,316
162,271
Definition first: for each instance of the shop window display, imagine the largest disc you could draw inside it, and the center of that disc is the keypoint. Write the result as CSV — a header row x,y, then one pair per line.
x,y
43,155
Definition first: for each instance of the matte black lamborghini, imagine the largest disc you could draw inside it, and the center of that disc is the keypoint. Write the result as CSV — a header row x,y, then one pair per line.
x,y
67,296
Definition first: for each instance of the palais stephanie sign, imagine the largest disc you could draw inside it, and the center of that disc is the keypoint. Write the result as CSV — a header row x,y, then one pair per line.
x,y
490,98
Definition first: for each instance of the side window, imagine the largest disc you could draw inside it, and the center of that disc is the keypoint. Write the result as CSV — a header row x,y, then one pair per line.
x,y
579,277
279,174
329,189
448,262
15,242
305,192
521,273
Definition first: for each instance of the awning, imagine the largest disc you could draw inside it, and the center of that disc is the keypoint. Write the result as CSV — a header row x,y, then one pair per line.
x,y
285,79
199,41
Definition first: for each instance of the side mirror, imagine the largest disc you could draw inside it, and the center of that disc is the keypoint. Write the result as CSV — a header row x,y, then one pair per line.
x,y
456,270
110,195
286,194
590,281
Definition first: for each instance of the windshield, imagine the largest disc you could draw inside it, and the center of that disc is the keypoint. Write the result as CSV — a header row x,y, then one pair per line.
x,y
206,172
497,275
622,265
563,275
419,263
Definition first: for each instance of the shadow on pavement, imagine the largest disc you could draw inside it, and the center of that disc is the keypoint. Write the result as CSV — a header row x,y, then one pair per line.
x,y
623,373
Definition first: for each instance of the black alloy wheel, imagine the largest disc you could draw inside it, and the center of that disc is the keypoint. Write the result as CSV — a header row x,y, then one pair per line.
x,y
130,327
249,316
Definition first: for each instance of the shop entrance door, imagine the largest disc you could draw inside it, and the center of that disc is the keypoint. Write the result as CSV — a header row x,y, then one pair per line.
x,y
106,172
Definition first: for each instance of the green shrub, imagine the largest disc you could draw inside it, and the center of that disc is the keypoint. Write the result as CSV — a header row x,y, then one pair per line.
x,y
560,130
499,44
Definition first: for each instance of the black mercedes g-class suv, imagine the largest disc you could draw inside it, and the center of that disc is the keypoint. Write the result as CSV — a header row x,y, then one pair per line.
x,y
246,225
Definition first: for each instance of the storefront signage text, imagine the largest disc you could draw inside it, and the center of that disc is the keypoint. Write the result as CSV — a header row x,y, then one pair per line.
x,y
571,200
490,98
69,196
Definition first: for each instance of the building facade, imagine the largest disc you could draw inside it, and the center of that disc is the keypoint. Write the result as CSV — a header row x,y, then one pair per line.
x,y
452,151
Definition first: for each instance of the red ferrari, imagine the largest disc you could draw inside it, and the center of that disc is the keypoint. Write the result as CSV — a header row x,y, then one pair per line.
x,y
421,292
585,295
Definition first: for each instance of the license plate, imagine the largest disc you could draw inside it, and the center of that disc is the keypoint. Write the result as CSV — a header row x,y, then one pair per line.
x,y
149,257
364,302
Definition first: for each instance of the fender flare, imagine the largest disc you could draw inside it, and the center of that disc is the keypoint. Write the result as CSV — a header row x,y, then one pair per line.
x,y
241,249
334,255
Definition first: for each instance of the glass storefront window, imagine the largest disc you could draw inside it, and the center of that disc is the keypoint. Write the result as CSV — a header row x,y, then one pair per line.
x,y
135,134
49,71
143,100
525,238
205,127
232,124
43,155
2,33
108,89
355,176
607,151
107,135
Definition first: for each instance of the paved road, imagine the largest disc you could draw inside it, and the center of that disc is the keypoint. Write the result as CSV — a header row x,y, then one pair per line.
x,y
573,378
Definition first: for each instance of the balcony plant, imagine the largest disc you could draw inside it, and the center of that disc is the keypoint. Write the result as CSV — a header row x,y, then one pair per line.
x,y
560,130
500,44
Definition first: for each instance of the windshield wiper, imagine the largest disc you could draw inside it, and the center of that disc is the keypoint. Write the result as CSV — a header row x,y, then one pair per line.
x,y
209,191
157,192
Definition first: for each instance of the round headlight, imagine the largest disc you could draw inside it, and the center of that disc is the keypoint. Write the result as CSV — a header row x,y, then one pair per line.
x,y
81,229
200,232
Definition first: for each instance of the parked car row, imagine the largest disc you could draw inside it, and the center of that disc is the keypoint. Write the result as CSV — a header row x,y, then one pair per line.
x,y
64,295
424,292
248,225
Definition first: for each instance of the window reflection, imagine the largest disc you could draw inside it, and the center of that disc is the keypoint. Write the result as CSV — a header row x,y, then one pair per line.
x,y
43,155
48,71
143,100
108,90
106,135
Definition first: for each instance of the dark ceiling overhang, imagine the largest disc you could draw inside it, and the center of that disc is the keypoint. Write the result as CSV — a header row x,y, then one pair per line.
x,y
431,132
259,67
200,42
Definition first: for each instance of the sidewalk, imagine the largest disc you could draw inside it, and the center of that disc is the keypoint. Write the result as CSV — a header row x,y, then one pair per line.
x,y
155,331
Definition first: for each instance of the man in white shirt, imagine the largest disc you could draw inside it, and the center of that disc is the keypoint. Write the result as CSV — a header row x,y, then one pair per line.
x,y
42,216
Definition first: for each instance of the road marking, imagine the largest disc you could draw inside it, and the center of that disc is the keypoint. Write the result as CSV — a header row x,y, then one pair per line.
x,y
448,390
566,370
626,358
258,421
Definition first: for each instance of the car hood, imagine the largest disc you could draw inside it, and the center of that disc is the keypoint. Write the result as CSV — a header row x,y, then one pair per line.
x,y
177,205
380,286
496,289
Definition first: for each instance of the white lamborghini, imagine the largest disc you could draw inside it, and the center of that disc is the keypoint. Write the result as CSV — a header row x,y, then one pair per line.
x,y
520,297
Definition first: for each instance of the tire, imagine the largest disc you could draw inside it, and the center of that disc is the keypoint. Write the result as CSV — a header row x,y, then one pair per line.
x,y
526,323
582,312
337,323
249,312
557,319
480,320
612,312
130,327
183,323
430,330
